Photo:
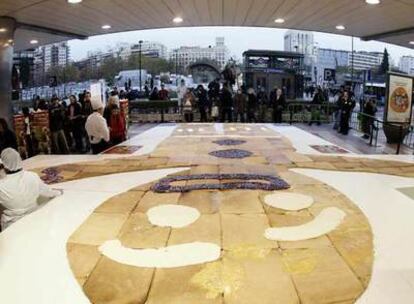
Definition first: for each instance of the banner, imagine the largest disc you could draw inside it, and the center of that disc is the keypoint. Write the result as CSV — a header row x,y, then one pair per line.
x,y
399,99
96,90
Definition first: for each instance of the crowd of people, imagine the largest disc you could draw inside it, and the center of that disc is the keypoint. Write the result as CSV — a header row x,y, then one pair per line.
x,y
219,103
81,125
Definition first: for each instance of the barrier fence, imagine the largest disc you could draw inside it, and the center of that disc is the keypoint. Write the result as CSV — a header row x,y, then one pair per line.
x,y
378,131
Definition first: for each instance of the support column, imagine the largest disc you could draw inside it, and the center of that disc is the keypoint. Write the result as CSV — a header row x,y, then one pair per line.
x,y
7,29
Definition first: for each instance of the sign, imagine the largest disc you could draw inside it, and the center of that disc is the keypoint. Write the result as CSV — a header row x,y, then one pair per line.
x,y
259,62
96,90
399,98
329,74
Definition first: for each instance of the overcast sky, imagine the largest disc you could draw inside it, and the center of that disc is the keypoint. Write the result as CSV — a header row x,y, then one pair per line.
x,y
237,39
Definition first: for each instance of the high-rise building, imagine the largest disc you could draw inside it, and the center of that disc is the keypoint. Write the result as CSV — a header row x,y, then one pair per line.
x,y
363,60
303,42
48,57
148,49
330,59
299,41
24,61
407,64
186,55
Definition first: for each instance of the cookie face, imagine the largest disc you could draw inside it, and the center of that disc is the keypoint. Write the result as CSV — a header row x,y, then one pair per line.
x,y
224,244
243,230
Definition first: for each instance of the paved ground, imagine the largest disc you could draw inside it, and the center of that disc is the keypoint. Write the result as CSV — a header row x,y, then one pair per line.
x,y
353,142
250,265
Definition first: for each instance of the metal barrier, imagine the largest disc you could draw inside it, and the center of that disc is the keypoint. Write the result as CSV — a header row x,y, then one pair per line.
x,y
383,131
308,112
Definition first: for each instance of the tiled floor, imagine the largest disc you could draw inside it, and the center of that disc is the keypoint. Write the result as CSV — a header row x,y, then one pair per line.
x,y
369,256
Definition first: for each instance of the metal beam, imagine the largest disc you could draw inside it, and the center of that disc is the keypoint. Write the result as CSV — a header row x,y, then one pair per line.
x,y
52,31
379,36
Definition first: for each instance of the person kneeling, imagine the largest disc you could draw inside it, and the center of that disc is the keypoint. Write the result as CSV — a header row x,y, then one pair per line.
x,y
20,189
97,128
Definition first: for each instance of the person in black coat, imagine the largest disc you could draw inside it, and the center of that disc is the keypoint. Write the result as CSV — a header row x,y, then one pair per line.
x,y
57,115
318,100
154,94
7,137
74,113
347,105
369,109
278,103
203,103
251,105
226,103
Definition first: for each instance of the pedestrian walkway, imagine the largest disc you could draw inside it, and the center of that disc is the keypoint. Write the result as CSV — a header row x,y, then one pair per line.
x,y
353,140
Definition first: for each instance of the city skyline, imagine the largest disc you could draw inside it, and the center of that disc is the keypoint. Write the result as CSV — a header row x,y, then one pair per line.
x,y
238,40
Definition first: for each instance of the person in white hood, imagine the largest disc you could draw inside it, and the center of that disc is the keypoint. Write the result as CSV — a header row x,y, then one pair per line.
x,y
97,128
20,189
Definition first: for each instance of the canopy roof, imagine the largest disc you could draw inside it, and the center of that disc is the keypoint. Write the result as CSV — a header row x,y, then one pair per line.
x,y
54,20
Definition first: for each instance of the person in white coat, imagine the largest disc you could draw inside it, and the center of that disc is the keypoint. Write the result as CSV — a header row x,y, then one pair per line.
x,y
181,91
97,128
20,189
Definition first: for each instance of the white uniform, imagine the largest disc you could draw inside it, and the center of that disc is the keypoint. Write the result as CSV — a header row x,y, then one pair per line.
x,y
97,128
181,91
19,193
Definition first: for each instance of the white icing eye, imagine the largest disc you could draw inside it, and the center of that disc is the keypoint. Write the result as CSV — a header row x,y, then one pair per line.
x,y
326,221
174,216
288,201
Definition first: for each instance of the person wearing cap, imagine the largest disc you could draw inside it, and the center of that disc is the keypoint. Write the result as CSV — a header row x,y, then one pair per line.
x,y
20,189
97,128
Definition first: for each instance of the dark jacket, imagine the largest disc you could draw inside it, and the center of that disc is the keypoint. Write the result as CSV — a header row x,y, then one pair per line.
x,y
226,99
57,117
370,109
347,105
240,103
77,111
202,98
214,89
252,102
87,108
277,104
318,98
154,95
7,140
262,98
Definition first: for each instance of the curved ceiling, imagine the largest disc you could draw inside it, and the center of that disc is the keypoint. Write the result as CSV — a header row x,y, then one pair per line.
x,y
53,20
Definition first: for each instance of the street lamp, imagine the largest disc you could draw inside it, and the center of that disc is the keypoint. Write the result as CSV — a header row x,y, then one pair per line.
x,y
140,65
176,68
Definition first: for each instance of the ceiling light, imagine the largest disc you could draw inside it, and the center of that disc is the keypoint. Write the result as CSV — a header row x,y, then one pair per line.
x,y
178,20
3,30
106,27
340,27
10,41
6,44
34,41
74,1
373,2
279,20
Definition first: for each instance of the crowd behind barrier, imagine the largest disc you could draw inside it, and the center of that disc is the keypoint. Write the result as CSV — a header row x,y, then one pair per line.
x,y
59,128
